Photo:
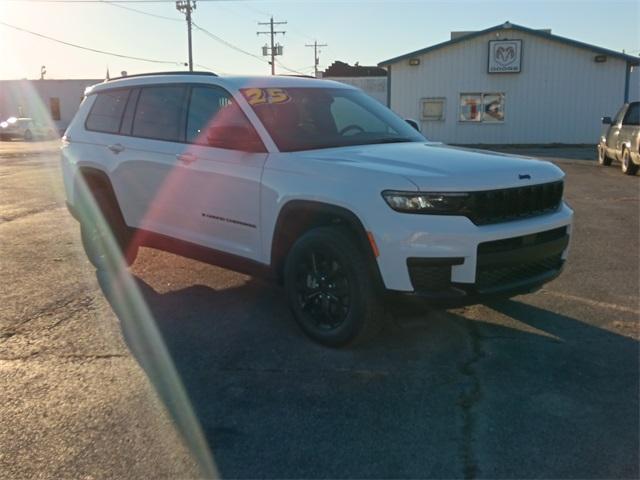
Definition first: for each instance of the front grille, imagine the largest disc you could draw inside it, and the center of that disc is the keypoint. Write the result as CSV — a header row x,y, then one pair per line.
x,y
513,243
511,260
492,276
497,206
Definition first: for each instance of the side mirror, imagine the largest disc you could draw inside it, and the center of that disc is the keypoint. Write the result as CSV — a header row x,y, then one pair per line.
x,y
234,137
413,123
606,120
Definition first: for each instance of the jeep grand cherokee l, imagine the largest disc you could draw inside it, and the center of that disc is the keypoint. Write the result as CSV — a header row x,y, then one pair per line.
x,y
314,184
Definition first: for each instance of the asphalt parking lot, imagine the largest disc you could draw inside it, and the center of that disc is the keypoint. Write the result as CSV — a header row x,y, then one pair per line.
x,y
540,386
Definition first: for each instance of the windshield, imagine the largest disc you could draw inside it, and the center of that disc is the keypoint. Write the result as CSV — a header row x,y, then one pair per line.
x,y
312,118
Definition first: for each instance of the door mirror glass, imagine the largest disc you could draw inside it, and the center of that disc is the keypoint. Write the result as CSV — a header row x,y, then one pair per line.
x,y
606,120
413,123
234,137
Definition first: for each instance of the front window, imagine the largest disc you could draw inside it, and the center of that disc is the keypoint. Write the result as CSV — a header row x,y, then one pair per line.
x,y
311,118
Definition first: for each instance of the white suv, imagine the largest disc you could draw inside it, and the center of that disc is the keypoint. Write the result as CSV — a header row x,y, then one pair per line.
x,y
314,184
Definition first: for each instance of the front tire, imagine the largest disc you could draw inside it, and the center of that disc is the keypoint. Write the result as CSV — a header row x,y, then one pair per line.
x,y
628,167
331,291
602,156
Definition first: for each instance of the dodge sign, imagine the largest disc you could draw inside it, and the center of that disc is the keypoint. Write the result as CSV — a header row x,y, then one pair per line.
x,y
505,56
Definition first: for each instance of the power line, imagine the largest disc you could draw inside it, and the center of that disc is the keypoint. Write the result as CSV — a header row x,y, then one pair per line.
x,y
194,25
95,50
290,69
273,49
224,42
114,4
187,6
110,1
316,59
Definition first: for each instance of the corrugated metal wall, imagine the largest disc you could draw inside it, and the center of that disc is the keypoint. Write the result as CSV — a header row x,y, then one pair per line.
x,y
376,87
558,97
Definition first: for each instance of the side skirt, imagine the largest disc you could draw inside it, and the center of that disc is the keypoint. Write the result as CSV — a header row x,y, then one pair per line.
x,y
204,254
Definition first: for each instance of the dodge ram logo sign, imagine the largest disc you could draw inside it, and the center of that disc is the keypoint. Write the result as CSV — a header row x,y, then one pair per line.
x,y
504,56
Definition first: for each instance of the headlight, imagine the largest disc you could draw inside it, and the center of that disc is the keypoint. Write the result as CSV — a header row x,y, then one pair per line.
x,y
451,203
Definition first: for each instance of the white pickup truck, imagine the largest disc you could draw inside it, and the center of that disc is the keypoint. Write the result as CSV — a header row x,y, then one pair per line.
x,y
314,184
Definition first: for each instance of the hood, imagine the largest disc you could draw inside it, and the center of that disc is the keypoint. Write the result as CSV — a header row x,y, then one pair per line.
x,y
441,167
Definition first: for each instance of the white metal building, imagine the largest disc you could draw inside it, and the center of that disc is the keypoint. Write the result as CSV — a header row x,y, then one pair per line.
x,y
53,101
372,80
510,84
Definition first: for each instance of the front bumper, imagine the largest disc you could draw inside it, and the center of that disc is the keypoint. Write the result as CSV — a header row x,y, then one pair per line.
x,y
459,295
461,243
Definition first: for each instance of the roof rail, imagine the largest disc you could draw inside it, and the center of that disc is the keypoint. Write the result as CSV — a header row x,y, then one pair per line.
x,y
186,72
292,75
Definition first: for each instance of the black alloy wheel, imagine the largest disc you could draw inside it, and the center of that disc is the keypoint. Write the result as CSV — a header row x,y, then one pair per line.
x,y
324,291
331,287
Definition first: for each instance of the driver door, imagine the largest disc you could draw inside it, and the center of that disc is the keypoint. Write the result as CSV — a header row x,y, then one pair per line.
x,y
222,167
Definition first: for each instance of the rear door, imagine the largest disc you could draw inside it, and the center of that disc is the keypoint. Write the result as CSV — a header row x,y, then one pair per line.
x,y
149,177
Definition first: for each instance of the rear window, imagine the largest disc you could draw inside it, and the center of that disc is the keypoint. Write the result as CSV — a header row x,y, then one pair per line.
x,y
161,112
106,113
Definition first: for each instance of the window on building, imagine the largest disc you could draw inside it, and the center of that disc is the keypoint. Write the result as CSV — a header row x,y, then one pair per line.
x,y
54,106
106,111
470,107
433,109
482,107
160,113
493,107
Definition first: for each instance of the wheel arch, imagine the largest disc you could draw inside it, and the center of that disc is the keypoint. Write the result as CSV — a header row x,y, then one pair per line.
x,y
297,217
89,179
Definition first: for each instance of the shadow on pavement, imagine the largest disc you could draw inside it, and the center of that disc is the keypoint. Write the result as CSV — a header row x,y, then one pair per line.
x,y
437,395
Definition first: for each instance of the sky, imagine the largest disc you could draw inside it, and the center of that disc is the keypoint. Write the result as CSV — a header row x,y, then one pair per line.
x,y
355,31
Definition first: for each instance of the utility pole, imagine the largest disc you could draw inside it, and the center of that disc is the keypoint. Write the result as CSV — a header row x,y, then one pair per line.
x,y
274,49
187,6
315,55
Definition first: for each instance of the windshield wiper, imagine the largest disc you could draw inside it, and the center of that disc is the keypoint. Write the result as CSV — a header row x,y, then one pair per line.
x,y
392,140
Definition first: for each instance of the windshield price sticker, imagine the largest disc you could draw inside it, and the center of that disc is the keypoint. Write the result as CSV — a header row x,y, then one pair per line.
x,y
272,96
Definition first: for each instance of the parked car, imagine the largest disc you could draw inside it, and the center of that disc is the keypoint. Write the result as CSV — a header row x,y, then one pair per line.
x,y
621,139
311,183
25,128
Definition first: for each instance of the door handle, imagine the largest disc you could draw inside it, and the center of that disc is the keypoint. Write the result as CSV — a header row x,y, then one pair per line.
x,y
186,158
116,148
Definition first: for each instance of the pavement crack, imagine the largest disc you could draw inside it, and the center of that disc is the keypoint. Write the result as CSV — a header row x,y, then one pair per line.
x,y
44,355
27,213
468,399
69,306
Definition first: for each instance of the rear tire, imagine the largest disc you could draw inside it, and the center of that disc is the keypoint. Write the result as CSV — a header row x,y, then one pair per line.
x,y
28,136
602,156
331,291
628,167
106,238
